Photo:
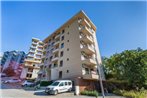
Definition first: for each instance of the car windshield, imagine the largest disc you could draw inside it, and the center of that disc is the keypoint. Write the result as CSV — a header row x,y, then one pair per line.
x,y
55,84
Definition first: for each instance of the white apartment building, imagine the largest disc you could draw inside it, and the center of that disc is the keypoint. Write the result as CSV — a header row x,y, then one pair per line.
x,y
71,52
34,58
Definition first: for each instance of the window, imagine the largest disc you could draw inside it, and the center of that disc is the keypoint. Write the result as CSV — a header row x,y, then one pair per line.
x,y
60,75
61,63
67,59
69,83
67,40
62,38
62,31
61,53
67,49
65,83
51,57
67,71
55,65
50,65
86,70
61,84
62,45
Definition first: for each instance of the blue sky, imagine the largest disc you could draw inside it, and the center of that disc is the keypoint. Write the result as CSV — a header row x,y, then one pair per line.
x,y
120,25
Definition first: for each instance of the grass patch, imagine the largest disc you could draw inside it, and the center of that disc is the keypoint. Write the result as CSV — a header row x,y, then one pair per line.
x,y
89,93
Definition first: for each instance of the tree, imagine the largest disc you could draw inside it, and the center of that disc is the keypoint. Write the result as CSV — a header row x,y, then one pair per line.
x,y
130,66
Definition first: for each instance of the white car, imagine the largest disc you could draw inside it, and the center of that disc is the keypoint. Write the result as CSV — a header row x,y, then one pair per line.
x,y
59,86
12,81
26,83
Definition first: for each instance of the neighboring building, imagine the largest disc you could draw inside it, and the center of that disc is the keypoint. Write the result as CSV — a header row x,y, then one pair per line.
x,y
33,60
71,52
1,56
13,60
12,56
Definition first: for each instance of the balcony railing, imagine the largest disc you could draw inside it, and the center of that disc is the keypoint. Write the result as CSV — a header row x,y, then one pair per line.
x,y
34,43
88,60
86,38
55,50
91,76
33,47
55,59
57,36
31,55
87,49
84,22
56,43
86,30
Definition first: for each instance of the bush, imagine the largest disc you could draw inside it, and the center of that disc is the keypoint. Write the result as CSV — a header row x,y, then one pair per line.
x,y
89,93
132,93
45,83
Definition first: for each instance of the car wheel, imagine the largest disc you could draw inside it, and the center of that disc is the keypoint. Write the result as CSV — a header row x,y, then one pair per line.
x,y
25,85
56,92
69,90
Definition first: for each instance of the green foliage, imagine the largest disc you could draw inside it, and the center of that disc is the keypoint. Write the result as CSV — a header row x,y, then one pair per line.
x,y
89,93
45,83
132,93
130,66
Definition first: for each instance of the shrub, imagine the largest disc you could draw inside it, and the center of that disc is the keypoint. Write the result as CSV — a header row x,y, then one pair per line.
x,y
89,93
45,83
132,93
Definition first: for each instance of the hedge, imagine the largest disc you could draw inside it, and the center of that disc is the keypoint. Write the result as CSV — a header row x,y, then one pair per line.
x,y
45,83
89,93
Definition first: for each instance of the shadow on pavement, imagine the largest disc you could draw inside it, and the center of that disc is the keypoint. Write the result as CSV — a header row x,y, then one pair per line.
x,y
10,86
41,93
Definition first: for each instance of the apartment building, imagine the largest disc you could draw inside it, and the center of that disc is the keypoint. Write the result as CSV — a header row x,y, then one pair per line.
x,y
71,52
34,58
12,57
12,60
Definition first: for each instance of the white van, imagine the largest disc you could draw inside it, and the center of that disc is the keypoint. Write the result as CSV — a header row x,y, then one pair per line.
x,y
59,86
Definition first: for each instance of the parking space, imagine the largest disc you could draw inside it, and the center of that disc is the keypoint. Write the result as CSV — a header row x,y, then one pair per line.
x,y
16,91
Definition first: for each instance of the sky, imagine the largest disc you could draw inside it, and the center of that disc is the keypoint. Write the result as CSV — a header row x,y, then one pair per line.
x,y
120,25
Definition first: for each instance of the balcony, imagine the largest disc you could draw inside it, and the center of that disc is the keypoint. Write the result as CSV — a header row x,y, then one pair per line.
x,y
32,51
87,49
55,50
84,22
56,43
39,49
33,47
55,59
30,55
41,46
34,43
86,30
57,36
88,61
86,39
90,76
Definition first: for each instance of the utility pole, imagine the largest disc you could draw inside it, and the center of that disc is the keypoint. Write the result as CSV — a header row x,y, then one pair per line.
x,y
99,72
100,78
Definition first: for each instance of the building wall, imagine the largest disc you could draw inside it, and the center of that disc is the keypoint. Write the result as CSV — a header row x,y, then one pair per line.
x,y
33,59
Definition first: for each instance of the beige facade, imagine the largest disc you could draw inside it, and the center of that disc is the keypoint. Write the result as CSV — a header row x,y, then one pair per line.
x,y
34,58
71,51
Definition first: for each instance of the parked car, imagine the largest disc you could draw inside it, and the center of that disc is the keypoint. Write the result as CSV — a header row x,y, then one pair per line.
x,y
12,81
27,83
59,86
